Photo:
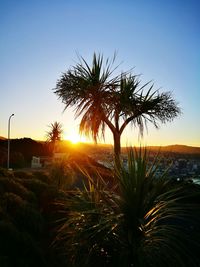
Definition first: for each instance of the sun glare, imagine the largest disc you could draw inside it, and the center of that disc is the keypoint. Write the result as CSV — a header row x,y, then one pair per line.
x,y
74,138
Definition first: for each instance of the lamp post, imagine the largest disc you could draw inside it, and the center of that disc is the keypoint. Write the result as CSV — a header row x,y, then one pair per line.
x,y
8,163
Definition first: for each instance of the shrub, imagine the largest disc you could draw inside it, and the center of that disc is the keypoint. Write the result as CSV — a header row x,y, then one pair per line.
x,y
28,219
18,248
5,173
13,185
42,176
11,203
34,185
23,174
62,175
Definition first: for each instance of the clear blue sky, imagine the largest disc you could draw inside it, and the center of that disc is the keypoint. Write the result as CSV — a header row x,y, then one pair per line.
x,y
39,40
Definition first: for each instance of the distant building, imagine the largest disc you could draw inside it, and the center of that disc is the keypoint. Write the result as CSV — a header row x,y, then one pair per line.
x,y
35,162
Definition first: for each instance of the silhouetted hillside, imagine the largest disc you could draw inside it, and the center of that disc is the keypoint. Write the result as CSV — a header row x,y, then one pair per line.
x,y
177,149
21,151
182,149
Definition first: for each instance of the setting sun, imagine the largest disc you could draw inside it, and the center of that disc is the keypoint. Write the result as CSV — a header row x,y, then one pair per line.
x,y
74,137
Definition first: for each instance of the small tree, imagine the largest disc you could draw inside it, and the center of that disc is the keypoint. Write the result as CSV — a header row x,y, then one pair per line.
x,y
54,134
103,99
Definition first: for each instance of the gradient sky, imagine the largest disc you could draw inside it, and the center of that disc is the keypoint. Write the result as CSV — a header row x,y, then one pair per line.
x,y
39,40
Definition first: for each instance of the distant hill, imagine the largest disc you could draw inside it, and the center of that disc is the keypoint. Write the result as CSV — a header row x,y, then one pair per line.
x,y
177,149
101,148
96,148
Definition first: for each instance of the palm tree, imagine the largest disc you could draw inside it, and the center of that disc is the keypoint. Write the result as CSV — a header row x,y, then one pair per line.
x,y
54,134
104,99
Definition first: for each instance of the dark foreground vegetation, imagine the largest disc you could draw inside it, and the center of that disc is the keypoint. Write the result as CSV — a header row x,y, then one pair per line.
x,y
93,217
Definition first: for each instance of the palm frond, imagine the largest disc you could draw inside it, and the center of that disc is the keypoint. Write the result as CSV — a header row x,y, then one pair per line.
x,y
55,132
141,107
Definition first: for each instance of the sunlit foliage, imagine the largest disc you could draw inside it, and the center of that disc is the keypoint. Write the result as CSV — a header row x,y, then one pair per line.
x,y
144,220
54,135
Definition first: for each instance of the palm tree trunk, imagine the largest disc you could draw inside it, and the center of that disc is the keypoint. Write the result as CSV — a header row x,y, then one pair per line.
x,y
117,149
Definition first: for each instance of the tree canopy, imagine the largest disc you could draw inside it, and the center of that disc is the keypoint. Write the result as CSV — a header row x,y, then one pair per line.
x,y
55,132
103,98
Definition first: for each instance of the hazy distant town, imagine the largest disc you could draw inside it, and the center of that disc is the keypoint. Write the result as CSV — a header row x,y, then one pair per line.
x,y
182,162
180,165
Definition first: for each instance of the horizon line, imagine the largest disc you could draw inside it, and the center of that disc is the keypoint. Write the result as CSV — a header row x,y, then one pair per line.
x,y
104,144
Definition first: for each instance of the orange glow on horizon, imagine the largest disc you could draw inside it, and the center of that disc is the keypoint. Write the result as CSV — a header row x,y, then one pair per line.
x,y
75,138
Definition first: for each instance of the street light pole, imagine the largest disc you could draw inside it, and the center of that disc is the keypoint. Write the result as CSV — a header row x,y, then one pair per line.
x,y
8,163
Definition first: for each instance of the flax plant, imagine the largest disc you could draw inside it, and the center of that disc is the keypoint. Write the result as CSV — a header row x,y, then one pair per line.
x,y
144,220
